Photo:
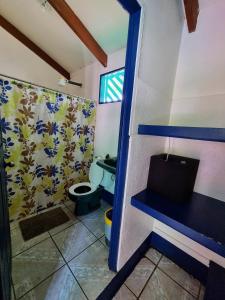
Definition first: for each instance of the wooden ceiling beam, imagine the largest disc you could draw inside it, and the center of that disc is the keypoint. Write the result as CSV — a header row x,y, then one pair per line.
x,y
72,20
191,11
32,46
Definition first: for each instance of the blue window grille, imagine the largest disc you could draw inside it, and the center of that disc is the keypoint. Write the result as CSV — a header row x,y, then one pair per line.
x,y
111,86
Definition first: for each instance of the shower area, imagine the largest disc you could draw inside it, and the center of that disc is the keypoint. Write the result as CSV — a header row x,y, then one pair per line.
x,y
48,142
48,138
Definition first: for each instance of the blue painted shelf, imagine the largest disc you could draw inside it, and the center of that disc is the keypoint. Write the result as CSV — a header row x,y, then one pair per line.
x,y
194,133
202,218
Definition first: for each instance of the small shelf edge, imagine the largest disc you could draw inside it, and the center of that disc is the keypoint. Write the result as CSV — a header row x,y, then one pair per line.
x,y
195,133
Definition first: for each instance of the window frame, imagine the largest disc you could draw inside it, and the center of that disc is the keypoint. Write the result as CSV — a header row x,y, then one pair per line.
x,y
100,78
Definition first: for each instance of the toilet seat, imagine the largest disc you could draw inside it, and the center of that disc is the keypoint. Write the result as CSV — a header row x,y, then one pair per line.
x,y
95,177
82,184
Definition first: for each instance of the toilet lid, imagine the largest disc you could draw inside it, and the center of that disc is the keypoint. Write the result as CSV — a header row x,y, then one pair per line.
x,y
95,174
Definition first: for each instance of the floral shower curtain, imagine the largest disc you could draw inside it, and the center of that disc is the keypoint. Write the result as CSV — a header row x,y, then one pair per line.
x,y
48,139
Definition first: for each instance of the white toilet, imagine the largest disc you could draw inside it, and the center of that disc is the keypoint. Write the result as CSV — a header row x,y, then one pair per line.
x,y
87,195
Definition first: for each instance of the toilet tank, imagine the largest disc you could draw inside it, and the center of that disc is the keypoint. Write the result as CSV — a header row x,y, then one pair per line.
x,y
96,174
108,182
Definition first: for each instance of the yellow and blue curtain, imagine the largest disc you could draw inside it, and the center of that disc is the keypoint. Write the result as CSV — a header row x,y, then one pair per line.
x,y
48,139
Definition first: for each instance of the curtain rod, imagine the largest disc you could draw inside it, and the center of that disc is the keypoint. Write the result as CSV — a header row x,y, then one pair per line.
x,y
41,86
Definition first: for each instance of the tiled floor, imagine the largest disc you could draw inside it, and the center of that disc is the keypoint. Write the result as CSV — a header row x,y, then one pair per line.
x,y
70,263
67,263
158,278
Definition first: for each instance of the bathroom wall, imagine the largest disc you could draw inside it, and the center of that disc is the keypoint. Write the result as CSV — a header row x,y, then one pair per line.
x,y
199,91
18,61
108,115
199,94
160,44
161,27
199,100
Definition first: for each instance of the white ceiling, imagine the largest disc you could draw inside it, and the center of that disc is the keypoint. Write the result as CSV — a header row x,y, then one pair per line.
x,y
105,19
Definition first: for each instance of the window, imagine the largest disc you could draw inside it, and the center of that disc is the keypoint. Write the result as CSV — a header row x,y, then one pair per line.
x,y
111,86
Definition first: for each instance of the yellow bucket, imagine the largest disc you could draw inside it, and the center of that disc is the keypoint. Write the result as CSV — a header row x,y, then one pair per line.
x,y
108,225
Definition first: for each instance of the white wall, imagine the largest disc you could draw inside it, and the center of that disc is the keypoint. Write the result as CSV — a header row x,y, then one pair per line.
x,y
108,115
157,66
199,100
159,41
199,94
18,61
199,91
136,225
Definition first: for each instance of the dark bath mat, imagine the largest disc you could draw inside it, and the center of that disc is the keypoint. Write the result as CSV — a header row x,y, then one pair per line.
x,y
41,223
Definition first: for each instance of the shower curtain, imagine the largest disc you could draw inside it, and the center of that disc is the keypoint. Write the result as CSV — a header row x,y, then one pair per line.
x,y
48,139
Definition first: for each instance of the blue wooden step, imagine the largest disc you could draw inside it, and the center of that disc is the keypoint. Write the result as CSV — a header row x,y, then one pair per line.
x,y
215,288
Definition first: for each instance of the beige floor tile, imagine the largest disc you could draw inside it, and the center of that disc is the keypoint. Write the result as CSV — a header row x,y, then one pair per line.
x,y
138,278
102,240
73,240
180,276
91,270
124,294
71,207
14,225
160,286
95,222
153,255
18,243
60,286
68,202
34,265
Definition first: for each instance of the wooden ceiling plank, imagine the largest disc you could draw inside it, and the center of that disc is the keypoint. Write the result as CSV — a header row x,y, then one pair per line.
x,y
192,12
72,20
32,46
